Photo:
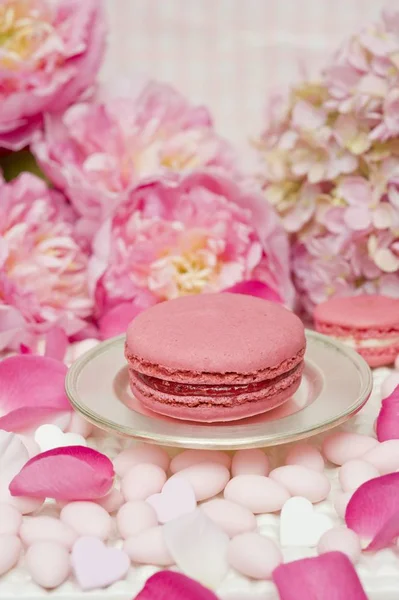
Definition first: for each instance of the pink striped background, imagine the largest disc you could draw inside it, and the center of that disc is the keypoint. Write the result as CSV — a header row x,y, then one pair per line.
x,y
229,53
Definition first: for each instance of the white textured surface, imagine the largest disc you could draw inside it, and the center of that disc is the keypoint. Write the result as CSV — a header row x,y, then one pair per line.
x,y
379,572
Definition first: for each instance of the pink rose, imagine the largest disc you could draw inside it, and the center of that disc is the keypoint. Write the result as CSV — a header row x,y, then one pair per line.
x,y
43,272
50,54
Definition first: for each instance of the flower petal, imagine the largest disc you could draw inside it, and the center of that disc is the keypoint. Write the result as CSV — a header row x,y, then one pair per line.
x,y
31,387
168,584
330,576
387,427
70,473
255,288
115,321
56,343
373,511
199,547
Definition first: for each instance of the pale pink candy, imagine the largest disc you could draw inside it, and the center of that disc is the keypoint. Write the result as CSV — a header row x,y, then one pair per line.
x,y
48,68
341,500
305,455
355,472
250,462
206,479
340,539
149,548
96,566
168,584
198,547
301,481
177,498
112,501
143,480
330,576
10,550
44,528
373,511
187,458
87,519
135,517
389,384
79,425
10,519
32,390
342,446
47,563
385,456
257,493
387,425
140,453
71,473
232,518
254,555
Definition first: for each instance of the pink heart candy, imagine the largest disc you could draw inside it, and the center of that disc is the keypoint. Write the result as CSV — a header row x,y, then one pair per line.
x,y
176,499
96,566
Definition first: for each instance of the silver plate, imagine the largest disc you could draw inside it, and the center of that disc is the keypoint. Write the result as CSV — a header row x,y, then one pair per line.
x,y
336,384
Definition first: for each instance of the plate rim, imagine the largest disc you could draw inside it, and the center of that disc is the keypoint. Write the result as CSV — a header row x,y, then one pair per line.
x,y
246,441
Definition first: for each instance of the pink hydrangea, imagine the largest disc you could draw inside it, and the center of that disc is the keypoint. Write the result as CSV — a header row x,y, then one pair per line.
x,y
50,52
331,168
99,152
43,271
187,235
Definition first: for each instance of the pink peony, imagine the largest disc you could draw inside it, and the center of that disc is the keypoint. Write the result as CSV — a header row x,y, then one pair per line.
x,y
186,235
99,152
331,168
43,272
49,54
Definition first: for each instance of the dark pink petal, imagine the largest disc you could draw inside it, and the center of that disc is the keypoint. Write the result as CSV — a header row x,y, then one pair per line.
x,y
373,511
116,320
330,576
70,473
56,343
255,288
387,427
168,585
32,386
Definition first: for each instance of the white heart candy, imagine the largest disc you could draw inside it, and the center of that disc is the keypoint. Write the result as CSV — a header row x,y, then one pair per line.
x,y
300,525
50,436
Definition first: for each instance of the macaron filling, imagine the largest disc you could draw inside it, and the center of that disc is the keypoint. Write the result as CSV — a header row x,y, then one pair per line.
x,y
184,389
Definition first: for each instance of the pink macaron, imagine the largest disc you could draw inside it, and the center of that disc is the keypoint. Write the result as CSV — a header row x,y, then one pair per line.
x,y
215,357
367,323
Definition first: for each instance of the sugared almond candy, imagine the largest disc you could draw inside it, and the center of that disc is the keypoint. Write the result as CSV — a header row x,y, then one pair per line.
x,y
305,455
385,456
340,539
87,519
50,529
206,479
354,473
301,481
139,454
10,550
232,518
188,458
250,462
135,517
10,519
342,446
149,548
141,481
47,563
341,500
257,493
254,555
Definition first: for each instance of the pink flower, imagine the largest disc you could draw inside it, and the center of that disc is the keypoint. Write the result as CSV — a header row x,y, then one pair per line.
x,y
42,269
186,235
98,153
50,53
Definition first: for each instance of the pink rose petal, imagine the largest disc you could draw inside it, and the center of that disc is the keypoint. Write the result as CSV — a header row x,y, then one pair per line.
x,y
32,388
373,511
330,576
115,321
255,288
199,547
69,473
56,343
166,585
387,427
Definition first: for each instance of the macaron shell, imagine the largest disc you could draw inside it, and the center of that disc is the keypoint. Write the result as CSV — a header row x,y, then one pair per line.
x,y
222,334
371,312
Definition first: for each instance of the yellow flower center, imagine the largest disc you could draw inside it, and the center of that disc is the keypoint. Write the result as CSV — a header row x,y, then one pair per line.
x,y
192,272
